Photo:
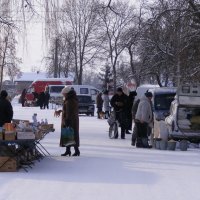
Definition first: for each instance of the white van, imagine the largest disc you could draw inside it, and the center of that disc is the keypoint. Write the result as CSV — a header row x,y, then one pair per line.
x,y
161,102
55,91
184,119
142,89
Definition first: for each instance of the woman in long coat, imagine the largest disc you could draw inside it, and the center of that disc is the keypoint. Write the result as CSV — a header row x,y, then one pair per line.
x,y
70,118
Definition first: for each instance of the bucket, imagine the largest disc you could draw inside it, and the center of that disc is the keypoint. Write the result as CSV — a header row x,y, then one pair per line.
x,y
171,145
154,143
183,145
163,145
157,144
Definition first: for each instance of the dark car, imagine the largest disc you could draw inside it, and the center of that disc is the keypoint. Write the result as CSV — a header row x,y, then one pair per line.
x,y
86,105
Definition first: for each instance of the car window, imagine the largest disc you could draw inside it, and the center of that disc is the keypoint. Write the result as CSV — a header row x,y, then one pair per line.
x,y
94,92
163,101
84,99
84,91
56,89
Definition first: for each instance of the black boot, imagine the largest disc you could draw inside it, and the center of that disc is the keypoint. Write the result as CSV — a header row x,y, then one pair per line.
x,y
77,152
67,152
122,133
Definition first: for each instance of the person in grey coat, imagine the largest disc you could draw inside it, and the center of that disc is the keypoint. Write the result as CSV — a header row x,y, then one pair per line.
x,y
143,118
106,104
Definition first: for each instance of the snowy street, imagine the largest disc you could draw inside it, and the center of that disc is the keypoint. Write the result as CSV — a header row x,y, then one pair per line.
x,y
106,169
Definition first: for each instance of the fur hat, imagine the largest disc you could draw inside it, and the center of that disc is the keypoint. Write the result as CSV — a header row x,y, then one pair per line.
x,y
66,89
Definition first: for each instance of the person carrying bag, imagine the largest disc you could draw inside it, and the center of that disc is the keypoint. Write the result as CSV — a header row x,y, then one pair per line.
x,y
70,122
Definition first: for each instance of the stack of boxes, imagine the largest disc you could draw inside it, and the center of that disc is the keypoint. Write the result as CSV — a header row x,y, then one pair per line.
x,y
21,130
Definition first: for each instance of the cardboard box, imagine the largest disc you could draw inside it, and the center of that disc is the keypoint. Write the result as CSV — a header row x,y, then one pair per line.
x,y
8,164
25,136
9,127
9,135
39,135
46,126
16,121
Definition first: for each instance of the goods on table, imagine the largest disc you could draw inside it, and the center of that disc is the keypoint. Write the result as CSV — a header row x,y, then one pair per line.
x,y
20,143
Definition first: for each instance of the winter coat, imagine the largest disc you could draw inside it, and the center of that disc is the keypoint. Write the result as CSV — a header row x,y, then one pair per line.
x,y
99,101
41,99
70,115
119,103
106,102
6,111
129,106
46,97
144,111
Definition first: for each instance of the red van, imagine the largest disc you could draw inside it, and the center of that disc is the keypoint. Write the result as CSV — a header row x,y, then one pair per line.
x,y
39,86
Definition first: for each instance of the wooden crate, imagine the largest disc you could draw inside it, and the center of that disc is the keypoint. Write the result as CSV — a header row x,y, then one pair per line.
x,y
8,164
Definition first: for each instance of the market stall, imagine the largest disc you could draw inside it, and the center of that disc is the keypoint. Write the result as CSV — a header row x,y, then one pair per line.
x,y
20,144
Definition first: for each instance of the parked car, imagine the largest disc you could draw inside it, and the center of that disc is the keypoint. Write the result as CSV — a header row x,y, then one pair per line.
x,y
86,105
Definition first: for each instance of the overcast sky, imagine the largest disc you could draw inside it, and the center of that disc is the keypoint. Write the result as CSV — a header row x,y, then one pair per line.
x,y
33,52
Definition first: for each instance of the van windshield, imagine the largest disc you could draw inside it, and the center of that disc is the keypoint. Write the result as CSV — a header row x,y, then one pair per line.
x,y
56,89
84,99
163,101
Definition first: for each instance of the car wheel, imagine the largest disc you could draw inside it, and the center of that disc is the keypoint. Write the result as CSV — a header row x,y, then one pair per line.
x,y
92,114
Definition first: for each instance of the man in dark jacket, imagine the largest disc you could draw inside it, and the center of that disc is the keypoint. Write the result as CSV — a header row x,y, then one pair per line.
x,y
99,102
119,102
46,99
6,110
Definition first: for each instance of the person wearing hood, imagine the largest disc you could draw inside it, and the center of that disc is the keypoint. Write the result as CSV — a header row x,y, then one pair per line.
x,y
119,103
6,110
143,118
70,118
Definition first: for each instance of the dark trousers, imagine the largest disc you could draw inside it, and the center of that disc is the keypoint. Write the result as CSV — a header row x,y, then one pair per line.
x,y
99,110
142,134
121,118
107,114
46,105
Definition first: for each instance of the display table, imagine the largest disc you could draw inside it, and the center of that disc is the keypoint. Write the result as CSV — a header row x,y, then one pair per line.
x,y
22,153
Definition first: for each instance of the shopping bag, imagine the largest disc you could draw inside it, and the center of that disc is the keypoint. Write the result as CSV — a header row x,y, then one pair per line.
x,y
67,137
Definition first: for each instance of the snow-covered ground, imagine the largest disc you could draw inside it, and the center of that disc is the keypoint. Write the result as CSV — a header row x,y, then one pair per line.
x,y
106,170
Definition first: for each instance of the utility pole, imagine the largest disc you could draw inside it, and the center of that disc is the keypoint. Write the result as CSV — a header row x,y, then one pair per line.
x,y
56,59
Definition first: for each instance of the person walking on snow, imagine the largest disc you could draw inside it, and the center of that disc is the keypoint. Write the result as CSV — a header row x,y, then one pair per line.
x,y
143,118
119,103
106,104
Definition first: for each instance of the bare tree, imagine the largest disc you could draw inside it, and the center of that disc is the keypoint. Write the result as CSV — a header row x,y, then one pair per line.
x,y
115,26
80,18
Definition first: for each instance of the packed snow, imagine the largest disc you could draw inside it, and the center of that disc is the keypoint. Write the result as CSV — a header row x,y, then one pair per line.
x,y
108,169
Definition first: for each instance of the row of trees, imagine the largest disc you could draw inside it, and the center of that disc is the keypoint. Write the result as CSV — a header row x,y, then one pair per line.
x,y
155,42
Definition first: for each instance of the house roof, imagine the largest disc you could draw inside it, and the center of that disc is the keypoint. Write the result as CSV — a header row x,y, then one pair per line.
x,y
32,76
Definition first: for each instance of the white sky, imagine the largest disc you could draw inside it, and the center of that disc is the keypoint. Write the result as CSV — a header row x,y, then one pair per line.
x,y
33,52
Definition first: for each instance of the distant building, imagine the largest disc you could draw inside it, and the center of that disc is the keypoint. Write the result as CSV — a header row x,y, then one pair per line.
x,y
26,78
